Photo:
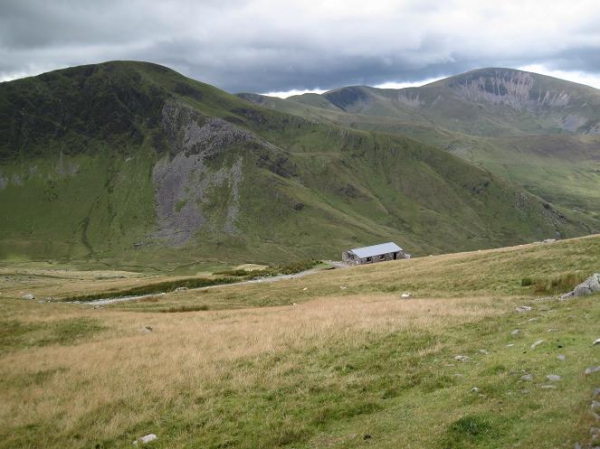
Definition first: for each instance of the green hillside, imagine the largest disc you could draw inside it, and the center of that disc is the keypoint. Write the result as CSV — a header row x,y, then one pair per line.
x,y
536,131
133,164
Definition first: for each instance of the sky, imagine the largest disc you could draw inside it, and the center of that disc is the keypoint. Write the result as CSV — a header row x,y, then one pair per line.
x,y
282,47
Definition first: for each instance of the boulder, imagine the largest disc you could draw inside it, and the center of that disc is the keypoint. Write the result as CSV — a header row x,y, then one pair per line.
x,y
591,370
522,309
589,286
146,439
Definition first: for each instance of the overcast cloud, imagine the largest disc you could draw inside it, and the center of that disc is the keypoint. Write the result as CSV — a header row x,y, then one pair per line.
x,y
278,46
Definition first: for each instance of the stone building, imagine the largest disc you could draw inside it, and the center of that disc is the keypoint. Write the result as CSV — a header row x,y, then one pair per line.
x,y
373,254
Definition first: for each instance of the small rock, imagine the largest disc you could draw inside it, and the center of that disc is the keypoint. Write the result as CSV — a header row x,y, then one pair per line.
x,y
536,344
366,436
28,296
592,369
515,332
595,405
342,287
531,320
146,439
553,377
523,309
547,387
553,330
483,351
148,328
405,295
595,433
461,358
561,357
294,304
304,289
527,377
181,289
597,342
510,345
596,392
474,390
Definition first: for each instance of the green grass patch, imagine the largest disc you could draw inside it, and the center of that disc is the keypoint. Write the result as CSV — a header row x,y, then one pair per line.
x,y
16,334
149,289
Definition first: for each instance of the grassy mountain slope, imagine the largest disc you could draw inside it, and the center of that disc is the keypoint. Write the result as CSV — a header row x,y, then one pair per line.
x,y
136,163
304,364
537,131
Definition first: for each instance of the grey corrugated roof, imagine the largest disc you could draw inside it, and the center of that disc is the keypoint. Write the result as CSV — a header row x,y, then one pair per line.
x,y
376,250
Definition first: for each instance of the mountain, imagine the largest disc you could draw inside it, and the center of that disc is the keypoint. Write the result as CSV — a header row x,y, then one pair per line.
x,y
132,164
537,131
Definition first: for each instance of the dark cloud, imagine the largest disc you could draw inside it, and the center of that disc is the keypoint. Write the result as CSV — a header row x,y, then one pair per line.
x,y
268,45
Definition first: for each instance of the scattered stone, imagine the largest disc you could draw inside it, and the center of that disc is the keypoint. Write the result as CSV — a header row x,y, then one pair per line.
x,y
342,287
597,342
548,241
561,357
405,295
474,390
589,286
294,304
547,387
483,351
510,345
537,343
596,392
527,377
28,296
523,309
181,289
515,332
552,330
553,377
146,439
595,433
532,319
592,369
304,289
461,358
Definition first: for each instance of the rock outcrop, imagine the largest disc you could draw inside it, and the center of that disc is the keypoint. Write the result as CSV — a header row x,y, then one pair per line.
x,y
588,287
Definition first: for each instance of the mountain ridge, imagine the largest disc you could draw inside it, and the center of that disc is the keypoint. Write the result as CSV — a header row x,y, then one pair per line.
x,y
135,164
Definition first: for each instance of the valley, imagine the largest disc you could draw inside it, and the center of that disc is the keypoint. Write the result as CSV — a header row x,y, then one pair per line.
x,y
138,167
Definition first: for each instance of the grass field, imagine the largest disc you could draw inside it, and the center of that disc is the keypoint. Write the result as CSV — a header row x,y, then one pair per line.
x,y
331,360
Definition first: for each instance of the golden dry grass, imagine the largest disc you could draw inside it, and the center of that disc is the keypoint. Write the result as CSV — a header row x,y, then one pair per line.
x,y
190,353
245,375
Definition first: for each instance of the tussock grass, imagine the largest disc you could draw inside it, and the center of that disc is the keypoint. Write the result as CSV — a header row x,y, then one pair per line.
x,y
337,366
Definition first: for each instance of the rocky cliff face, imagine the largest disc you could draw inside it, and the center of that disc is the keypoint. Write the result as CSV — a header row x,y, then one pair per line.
x,y
184,180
